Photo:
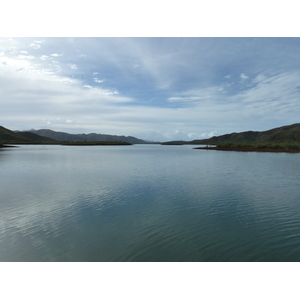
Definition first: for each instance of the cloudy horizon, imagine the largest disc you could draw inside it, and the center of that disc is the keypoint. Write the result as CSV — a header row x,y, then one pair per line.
x,y
155,89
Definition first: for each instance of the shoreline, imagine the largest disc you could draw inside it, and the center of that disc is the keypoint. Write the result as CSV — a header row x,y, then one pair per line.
x,y
100,143
249,149
6,146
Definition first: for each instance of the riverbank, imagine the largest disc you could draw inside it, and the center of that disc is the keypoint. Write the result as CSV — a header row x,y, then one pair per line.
x,y
100,143
250,149
6,146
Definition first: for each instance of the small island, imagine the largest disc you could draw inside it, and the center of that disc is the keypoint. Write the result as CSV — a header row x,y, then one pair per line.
x,y
175,143
99,143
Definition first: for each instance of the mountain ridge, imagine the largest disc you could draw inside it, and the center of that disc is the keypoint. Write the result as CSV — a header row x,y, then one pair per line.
x,y
283,134
90,137
47,136
278,135
14,137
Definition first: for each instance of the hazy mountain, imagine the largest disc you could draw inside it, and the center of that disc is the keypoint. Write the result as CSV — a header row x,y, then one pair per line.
x,y
46,136
91,137
284,134
35,137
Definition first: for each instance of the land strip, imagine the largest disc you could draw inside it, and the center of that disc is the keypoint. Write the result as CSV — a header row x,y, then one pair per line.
x,y
250,149
100,143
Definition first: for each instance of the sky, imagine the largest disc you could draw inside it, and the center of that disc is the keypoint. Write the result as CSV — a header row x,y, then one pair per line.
x,y
153,88
209,82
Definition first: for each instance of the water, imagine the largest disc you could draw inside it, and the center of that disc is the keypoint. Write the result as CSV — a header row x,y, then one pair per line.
x,y
148,203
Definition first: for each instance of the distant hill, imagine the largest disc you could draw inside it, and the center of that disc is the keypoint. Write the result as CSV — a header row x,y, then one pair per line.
x,y
284,134
175,143
21,137
10,137
35,137
46,136
91,137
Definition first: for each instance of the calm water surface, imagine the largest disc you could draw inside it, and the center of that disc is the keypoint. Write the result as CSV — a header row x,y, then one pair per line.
x,y
148,203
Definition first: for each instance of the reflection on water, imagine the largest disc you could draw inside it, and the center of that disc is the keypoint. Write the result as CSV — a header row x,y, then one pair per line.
x,y
148,203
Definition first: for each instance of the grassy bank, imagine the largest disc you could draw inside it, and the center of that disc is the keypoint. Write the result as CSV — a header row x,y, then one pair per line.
x,y
255,147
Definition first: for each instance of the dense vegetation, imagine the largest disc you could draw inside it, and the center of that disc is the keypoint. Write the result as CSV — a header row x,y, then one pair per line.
x,y
173,143
36,138
278,136
10,137
281,139
25,137
281,147
270,147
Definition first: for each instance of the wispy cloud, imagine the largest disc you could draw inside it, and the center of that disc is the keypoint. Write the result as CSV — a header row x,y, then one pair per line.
x,y
243,76
35,46
210,94
276,93
44,57
99,80
25,56
73,66
164,88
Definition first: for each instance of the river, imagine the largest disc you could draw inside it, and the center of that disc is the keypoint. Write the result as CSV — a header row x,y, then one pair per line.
x,y
148,203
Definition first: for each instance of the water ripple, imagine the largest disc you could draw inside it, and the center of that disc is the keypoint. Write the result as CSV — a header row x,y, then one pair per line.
x,y
149,203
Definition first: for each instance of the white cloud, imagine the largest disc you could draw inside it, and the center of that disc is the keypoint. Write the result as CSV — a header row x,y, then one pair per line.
x,y
16,63
25,57
184,99
284,86
73,66
42,87
56,55
44,57
197,95
271,97
40,94
99,80
111,92
259,78
185,136
45,88
243,76
34,46
212,133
